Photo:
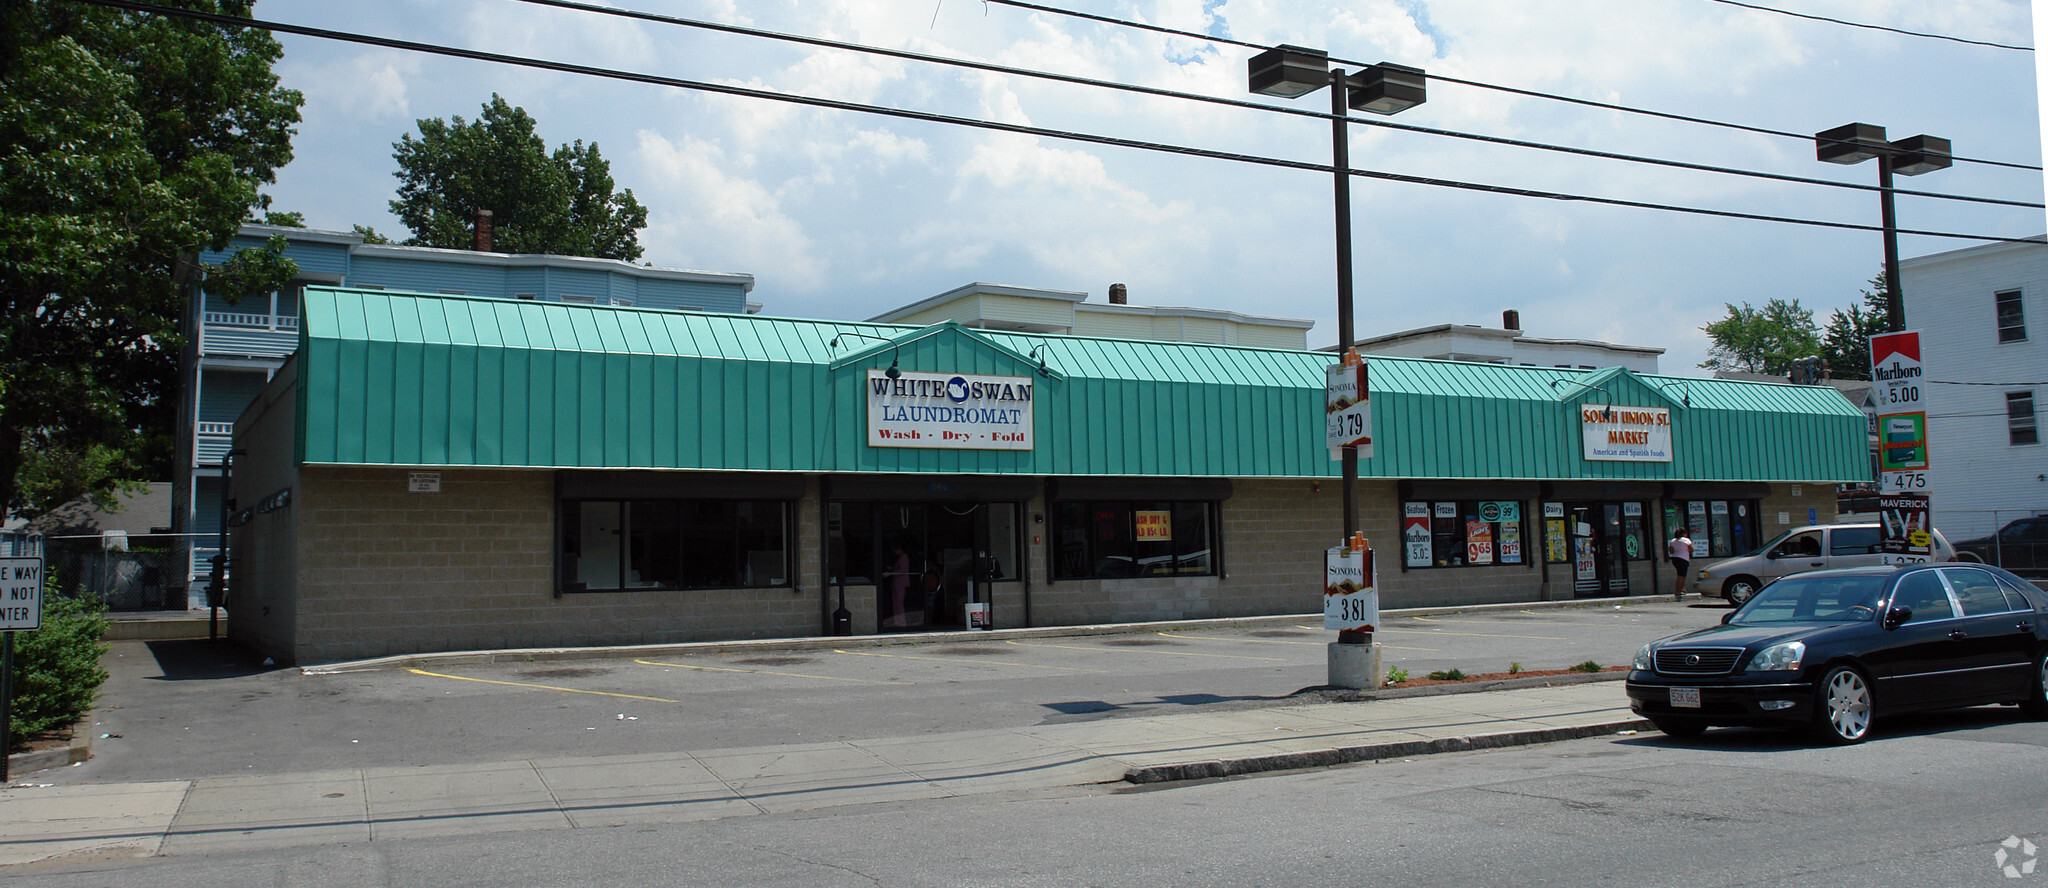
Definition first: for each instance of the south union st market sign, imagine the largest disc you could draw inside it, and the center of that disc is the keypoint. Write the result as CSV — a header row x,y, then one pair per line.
x,y
949,410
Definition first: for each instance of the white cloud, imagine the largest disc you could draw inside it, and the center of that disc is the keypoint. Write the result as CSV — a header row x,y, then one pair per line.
x,y
369,86
721,220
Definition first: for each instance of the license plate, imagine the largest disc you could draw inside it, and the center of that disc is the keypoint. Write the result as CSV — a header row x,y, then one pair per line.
x,y
1685,698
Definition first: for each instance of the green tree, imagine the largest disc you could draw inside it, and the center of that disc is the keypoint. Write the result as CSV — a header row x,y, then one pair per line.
x,y
565,203
1845,341
1762,340
128,142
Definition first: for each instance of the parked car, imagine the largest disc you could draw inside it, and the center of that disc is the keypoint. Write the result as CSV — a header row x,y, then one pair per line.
x,y
1813,547
2020,547
1832,649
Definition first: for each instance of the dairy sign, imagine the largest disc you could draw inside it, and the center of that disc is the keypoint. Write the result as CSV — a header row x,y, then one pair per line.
x,y
1626,434
949,410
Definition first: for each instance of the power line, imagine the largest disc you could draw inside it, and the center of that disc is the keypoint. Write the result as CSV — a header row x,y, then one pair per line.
x,y
1019,129
1836,21
617,12
1193,35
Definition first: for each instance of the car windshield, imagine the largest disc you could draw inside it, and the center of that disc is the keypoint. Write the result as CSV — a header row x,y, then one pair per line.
x,y
1815,599
1766,547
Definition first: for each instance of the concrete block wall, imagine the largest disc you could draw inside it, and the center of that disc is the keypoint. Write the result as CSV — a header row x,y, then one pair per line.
x,y
383,571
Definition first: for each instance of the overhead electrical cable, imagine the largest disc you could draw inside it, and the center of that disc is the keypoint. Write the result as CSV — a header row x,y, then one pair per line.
x,y
1836,21
1196,35
575,5
976,123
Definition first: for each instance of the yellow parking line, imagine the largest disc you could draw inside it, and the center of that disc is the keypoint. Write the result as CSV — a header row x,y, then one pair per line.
x,y
521,684
1076,647
1277,641
961,659
766,672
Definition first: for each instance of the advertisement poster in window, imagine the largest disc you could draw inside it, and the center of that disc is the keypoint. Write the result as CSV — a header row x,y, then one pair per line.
x,y
1905,520
1696,519
1415,534
1351,601
1500,511
1153,526
1582,559
1478,542
1554,540
1511,544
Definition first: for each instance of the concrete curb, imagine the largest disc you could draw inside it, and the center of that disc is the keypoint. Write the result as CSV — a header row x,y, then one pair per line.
x,y
80,749
526,655
1345,755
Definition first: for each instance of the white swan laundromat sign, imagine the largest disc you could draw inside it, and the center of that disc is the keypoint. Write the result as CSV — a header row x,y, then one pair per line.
x,y
949,410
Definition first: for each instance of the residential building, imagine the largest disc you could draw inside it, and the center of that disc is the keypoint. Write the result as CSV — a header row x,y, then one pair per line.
x,y
1507,344
1065,312
1982,315
232,350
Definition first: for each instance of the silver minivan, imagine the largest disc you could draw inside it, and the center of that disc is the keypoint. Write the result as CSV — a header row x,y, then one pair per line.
x,y
1800,549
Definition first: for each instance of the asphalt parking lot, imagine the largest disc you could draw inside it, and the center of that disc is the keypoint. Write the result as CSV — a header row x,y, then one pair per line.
x,y
187,709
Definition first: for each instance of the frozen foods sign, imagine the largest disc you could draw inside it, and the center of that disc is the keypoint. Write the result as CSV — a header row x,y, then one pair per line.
x,y
949,410
1628,434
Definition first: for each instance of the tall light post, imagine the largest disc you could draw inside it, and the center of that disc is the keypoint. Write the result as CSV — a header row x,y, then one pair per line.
x,y
1292,72
1858,142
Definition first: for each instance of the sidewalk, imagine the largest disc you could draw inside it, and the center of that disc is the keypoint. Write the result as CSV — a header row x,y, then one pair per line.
x,y
276,811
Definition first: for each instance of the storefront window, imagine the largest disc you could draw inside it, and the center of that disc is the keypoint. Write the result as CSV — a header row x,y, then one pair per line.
x,y
1720,528
674,544
1465,533
1107,539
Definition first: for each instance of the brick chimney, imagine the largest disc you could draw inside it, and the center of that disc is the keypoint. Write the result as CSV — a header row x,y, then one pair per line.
x,y
1511,320
1119,295
485,237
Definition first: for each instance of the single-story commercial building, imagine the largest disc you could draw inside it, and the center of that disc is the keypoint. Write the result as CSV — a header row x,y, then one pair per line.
x,y
441,472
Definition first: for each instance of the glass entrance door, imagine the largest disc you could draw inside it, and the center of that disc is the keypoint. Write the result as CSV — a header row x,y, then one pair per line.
x,y
930,559
1598,552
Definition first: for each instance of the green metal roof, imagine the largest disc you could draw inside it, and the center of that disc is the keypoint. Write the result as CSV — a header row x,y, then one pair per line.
x,y
413,379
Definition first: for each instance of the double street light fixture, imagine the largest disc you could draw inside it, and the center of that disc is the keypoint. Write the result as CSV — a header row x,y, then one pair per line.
x,y
1291,72
1858,142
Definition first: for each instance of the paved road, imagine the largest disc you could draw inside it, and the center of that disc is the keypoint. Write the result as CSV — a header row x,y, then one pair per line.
x,y
181,710
1927,804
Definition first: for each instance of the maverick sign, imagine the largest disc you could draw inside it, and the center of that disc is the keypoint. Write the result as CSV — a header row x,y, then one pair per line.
x,y
949,410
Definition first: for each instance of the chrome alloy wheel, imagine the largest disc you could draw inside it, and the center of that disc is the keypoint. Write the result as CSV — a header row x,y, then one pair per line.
x,y
1845,706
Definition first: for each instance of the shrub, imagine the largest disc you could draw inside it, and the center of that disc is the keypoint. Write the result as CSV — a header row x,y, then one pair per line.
x,y
1514,668
1396,675
1448,675
57,671
1588,666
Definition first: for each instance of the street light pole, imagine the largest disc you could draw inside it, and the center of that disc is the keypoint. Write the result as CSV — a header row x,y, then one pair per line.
x,y
1858,142
1340,161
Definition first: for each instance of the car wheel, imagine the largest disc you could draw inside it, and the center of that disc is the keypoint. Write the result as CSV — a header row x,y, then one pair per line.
x,y
1843,707
1738,590
2036,704
1680,729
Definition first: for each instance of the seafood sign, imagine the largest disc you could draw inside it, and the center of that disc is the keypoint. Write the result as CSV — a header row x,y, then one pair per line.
x,y
1351,601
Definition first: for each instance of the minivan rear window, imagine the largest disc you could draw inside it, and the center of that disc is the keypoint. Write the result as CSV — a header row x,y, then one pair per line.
x,y
1855,541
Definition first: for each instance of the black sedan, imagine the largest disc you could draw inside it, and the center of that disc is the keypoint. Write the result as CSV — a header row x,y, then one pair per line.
x,y
1831,649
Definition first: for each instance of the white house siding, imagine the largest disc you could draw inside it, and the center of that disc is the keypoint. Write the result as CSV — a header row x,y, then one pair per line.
x,y
1980,480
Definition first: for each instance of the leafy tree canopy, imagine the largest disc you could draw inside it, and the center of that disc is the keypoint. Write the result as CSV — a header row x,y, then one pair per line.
x,y
564,203
1762,340
128,142
1845,342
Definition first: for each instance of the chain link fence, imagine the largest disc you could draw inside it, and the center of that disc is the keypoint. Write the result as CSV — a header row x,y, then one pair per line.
x,y
128,573
2015,539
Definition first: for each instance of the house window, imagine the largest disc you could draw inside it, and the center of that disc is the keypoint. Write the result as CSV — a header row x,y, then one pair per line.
x,y
2019,418
580,300
610,545
1465,533
1109,539
2012,319
1718,528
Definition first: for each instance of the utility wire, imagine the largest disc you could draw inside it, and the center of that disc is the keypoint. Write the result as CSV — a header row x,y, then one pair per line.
x,y
1195,35
1019,129
1836,21
576,5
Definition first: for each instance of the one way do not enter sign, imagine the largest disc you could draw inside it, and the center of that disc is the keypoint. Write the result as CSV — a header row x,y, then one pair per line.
x,y
21,594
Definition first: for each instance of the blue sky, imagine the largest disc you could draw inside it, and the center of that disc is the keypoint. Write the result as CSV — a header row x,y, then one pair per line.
x,y
846,215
